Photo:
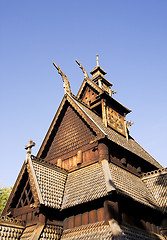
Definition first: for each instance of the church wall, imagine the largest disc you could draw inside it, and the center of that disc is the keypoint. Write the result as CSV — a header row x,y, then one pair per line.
x,y
78,157
139,216
128,160
91,216
26,213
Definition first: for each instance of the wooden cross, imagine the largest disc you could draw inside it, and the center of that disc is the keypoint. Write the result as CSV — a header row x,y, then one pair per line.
x,y
29,146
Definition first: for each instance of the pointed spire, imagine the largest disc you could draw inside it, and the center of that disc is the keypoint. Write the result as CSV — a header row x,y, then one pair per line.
x,y
83,69
66,84
97,60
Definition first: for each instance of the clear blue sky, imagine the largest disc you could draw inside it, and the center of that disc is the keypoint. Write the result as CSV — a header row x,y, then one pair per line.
x,y
131,40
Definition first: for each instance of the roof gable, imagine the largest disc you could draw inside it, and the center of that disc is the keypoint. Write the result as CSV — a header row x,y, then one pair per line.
x,y
24,191
38,182
69,134
88,82
71,104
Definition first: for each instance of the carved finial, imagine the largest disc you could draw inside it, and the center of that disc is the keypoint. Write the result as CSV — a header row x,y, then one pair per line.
x,y
28,148
97,59
128,124
112,92
83,69
66,84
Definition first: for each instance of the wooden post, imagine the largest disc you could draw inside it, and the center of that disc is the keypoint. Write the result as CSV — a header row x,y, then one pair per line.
x,y
59,162
79,157
104,115
111,211
103,152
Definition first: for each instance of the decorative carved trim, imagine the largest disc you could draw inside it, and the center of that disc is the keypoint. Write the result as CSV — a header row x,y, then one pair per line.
x,y
154,173
15,221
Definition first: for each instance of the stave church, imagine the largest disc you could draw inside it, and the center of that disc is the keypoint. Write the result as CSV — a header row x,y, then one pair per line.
x,y
90,179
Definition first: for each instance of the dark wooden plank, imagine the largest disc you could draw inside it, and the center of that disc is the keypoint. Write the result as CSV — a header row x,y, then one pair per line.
x,y
92,216
85,218
100,214
78,220
71,222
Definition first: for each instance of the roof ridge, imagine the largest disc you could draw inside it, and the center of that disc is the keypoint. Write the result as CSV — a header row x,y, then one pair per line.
x,y
34,182
48,164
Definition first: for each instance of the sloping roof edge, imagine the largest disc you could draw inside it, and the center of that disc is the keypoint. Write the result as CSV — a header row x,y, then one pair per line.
x,y
35,181
96,128
14,189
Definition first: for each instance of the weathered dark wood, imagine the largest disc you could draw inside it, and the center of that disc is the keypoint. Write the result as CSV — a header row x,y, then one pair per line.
x,y
92,216
85,217
71,222
72,133
100,214
103,151
78,220
111,211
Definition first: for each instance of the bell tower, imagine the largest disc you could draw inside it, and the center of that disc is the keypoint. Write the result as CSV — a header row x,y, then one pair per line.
x,y
98,77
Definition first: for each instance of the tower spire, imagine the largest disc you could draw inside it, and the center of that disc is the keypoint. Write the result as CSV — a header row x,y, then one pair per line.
x,y
97,59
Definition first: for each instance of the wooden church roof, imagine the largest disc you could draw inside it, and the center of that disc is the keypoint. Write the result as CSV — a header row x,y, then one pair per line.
x,y
43,184
57,188
101,230
157,182
97,125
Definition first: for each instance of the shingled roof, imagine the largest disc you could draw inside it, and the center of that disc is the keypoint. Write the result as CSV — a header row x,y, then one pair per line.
x,y
51,182
87,184
32,231
100,230
84,185
11,228
131,186
156,181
